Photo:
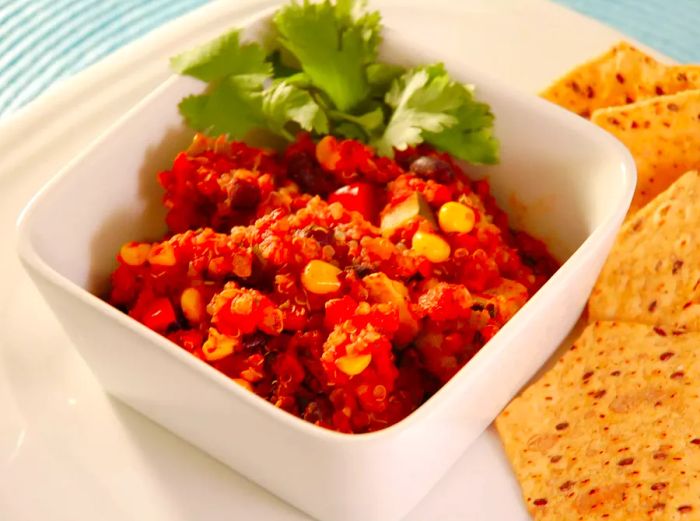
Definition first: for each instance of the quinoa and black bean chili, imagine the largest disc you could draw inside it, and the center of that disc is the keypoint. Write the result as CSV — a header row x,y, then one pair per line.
x,y
343,287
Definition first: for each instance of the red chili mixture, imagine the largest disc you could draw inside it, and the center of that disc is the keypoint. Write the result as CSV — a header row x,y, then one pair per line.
x,y
343,287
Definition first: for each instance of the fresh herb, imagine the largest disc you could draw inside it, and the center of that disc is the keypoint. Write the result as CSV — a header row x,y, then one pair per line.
x,y
222,57
429,106
333,45
283,102
241,95
323,77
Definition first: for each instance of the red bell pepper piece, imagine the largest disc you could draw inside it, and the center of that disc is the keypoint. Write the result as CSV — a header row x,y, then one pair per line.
x,y
159,315
358,197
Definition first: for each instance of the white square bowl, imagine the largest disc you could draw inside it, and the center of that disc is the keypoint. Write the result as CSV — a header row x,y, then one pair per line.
x,y
560,178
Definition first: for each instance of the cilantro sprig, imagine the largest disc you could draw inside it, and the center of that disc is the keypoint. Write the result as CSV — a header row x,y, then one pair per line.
x,y
323,76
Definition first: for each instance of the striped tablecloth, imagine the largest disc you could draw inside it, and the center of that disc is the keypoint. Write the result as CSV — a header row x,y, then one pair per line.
x,y
42,41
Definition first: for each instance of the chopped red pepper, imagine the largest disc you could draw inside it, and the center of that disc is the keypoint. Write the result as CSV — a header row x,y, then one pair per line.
x,y
159,315
358,197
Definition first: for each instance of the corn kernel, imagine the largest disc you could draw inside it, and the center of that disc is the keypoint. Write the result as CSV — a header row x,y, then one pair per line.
x,y
219,346
431,246
456,217
243,383
352,365
252,375
162,255
134,253
192,305
320,277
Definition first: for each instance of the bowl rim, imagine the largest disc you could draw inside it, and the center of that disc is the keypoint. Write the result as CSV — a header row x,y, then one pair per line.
x,y
492,349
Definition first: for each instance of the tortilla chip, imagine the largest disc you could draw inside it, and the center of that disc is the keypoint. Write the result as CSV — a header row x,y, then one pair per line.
x,y
622,75
611,432
663,135
652,275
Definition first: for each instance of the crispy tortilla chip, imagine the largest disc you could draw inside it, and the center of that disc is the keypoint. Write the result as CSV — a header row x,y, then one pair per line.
x,y
652,275
620,76
663,135
611,432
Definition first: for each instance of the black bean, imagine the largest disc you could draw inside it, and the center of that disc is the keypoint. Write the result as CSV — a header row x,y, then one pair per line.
x,y
309,176
322,235
362,270
429,167
245,195
255,342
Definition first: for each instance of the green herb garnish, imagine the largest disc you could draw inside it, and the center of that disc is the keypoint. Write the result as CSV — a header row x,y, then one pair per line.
x,y
323,77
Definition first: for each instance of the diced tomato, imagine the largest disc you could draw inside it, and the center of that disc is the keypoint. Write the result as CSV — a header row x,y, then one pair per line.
x,y
358,197
159,315
339,310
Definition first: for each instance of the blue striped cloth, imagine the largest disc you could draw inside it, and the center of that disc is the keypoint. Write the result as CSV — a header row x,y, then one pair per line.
x,y
669,26
43,41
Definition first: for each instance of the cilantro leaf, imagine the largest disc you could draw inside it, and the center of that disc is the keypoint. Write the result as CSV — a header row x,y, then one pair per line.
x,y
419,104
281,66
381,75
322,75
223,56
333,44
233,107
350,130
471,139
283,102
238,105
430,106
300,79
358,127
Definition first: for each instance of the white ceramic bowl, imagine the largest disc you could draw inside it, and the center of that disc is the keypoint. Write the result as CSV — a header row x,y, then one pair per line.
x,y
560,178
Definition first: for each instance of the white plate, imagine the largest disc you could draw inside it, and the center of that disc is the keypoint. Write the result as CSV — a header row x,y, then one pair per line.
x,y
67,452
